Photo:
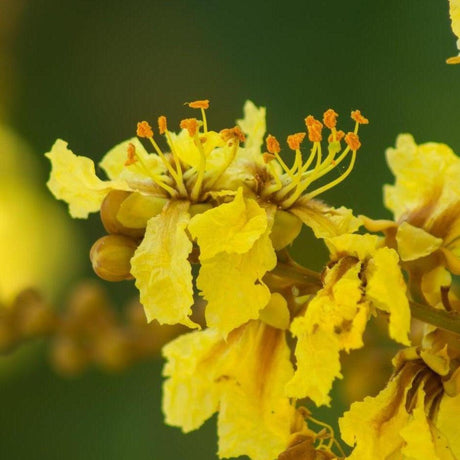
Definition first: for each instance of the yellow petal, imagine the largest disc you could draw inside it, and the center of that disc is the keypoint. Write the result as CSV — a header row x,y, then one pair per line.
x,y
454,10
318,363
74,180
386,290
231,227
325,221
335,320
416,186
207,373
253,125
232,284
417,434
191,394
374,424
360,246
276,313
447,422
161,267
414,242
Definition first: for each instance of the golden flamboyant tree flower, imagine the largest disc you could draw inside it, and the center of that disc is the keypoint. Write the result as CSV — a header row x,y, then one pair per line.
x,y
208,190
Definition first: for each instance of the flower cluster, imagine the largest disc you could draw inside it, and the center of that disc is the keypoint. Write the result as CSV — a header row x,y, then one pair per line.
x,y
272,332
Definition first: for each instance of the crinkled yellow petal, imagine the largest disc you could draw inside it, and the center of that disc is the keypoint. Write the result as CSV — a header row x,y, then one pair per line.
x,y
276,313
232,284
253,125
417,434
242,377
161,267
335,320
231,227
416,185
73,179
414,242
374,424
325,221
191,394
447,422
386,290
360,246
318,363
452,261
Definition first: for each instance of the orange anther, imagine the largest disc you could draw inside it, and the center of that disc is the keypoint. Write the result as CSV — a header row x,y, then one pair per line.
x,y
356,115
273,146
204,104
314,128
232,133
131,155
330,118
162,124
144,129
294,140
190,124
352,141
339,135
267,157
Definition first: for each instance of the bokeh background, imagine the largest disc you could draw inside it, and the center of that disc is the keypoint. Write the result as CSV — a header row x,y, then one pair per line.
x,y
87,71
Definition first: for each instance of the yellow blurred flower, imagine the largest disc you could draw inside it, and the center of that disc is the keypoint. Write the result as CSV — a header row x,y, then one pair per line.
x,y
364,276
34,232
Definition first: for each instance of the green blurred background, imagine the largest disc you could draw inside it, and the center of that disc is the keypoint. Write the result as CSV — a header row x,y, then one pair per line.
x,y
87,71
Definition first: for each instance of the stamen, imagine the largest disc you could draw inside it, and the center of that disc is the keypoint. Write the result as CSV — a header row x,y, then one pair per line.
x,y
353,141
359,118
144,130
339,135
273,146
202,104
201,167
330,118
191,125
314,128
232,133
294,140
267,157
162,124
131,155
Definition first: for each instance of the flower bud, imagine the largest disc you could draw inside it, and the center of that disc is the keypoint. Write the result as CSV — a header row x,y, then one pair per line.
x,y
109,210
111,255
137,209
68,357
286,228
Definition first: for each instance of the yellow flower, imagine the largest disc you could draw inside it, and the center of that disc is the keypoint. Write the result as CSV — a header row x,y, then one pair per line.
x,y
415,416
364,276
454,10
209,191
162,204
426,206
242,378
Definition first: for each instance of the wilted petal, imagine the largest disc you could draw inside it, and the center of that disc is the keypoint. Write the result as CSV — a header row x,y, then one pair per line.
x,y
73,179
